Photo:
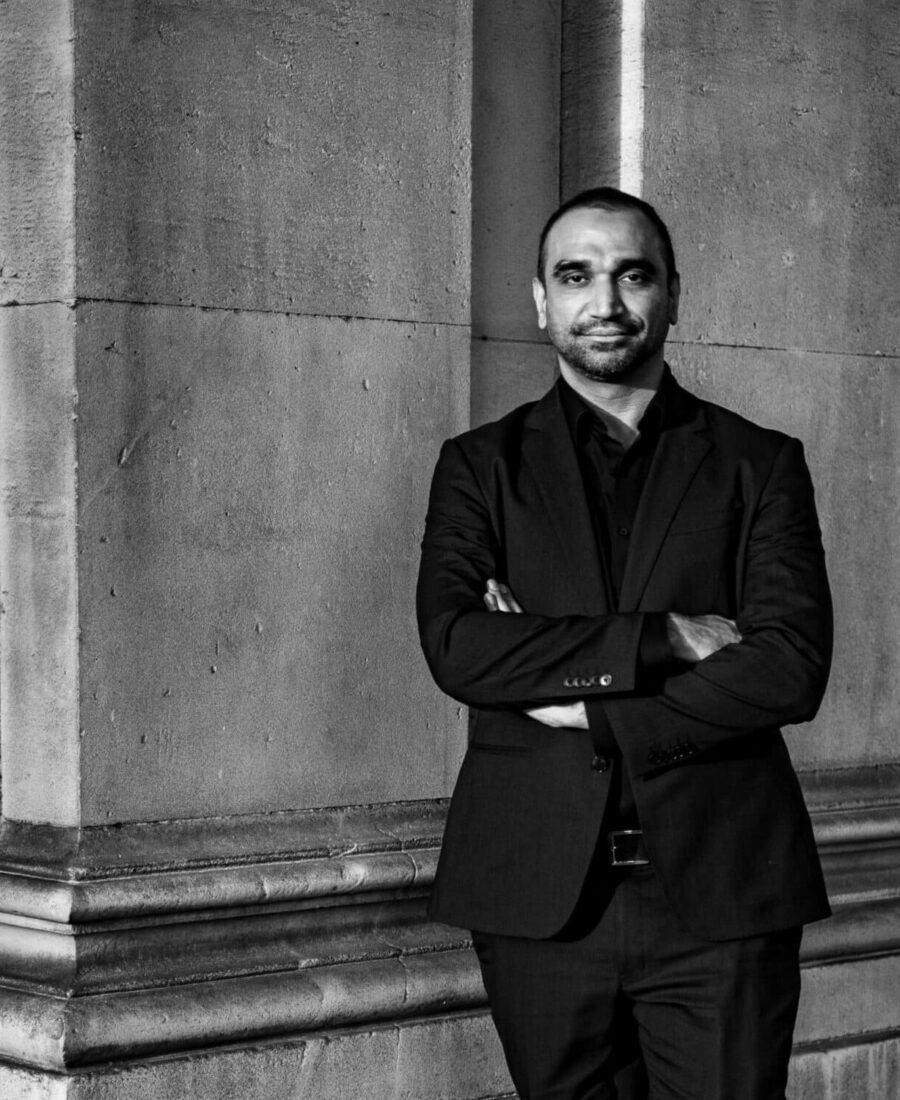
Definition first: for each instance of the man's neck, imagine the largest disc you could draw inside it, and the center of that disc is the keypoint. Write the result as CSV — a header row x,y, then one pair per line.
x,y
620,405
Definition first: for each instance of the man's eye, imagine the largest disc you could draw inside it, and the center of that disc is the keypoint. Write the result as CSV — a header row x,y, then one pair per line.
x,y
574,278
636,278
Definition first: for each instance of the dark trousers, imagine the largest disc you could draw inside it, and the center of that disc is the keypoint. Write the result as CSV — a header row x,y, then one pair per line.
x,y
708,1021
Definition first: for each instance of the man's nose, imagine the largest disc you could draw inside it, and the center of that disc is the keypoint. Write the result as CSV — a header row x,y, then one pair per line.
x,y
605,298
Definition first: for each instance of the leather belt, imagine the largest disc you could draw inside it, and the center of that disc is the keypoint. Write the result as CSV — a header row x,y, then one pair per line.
x,y
626,848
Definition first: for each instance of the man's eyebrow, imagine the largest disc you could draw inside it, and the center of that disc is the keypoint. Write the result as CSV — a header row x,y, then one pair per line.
x,y
639,262
563,267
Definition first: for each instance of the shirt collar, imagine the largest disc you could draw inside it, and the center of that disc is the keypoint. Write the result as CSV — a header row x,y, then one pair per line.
x,y
580,417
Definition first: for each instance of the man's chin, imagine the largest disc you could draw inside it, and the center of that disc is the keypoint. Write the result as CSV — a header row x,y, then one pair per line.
x,y
610,369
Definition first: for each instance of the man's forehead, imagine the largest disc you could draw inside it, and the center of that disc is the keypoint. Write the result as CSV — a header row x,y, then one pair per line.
x,y
591,229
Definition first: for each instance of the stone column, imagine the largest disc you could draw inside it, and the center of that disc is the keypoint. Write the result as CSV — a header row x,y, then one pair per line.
x,y
234,271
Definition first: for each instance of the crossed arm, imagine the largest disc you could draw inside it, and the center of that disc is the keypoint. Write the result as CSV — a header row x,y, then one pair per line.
x,y
692,638
485,650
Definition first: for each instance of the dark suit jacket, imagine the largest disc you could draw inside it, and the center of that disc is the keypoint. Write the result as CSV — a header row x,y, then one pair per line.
x,y
726,524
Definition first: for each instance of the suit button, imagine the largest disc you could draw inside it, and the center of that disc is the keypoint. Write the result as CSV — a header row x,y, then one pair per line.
x,y
605,680
567,683
601,763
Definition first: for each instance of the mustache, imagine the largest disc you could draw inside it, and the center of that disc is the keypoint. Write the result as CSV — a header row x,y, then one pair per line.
x,y
587,329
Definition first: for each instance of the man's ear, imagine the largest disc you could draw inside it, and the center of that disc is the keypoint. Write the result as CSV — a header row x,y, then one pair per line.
x,y
674,298
540,301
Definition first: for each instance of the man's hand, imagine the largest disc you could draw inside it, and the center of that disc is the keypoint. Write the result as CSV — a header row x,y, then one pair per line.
x,y
498,597
570,716
695,637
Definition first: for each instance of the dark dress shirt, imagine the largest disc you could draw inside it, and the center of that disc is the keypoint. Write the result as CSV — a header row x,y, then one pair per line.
x,y
613,477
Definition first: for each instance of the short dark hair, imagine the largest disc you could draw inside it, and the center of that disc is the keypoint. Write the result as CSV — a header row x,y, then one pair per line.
x,y
609,198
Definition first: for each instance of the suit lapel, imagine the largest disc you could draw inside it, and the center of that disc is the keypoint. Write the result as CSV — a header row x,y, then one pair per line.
x,y
549,454
682,446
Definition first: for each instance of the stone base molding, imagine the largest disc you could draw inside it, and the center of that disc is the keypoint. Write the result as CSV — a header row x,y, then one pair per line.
x,y
866,1070
447,1057
142,948
145,940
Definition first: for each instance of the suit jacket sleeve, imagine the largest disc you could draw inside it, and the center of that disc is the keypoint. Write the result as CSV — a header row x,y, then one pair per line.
x,y
777,673
496,660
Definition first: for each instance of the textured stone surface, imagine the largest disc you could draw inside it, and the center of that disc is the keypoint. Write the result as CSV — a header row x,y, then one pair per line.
x,y
38,631
61,1034
591,95
312,158
252,492
37,151
508,373
515,158
341,850
868,1071
18,1083
844,1001
515,186
39,624
443,1058
845,410
770,143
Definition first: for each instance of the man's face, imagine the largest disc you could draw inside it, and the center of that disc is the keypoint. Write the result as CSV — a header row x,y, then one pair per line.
x,y
608,303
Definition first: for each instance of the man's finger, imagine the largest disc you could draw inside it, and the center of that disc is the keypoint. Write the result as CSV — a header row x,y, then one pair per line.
x,y
495,597
505,600
511,601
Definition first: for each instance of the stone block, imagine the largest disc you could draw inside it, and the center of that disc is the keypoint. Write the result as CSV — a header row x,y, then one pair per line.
x,y
305,158
252,491
845,1000
453,1057
864,1071
770,148
37,152
38,545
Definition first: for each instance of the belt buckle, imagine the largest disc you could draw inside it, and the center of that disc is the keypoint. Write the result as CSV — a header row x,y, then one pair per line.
x,y
614,859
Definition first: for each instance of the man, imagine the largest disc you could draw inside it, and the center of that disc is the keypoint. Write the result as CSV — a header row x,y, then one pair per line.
x,y
627,586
